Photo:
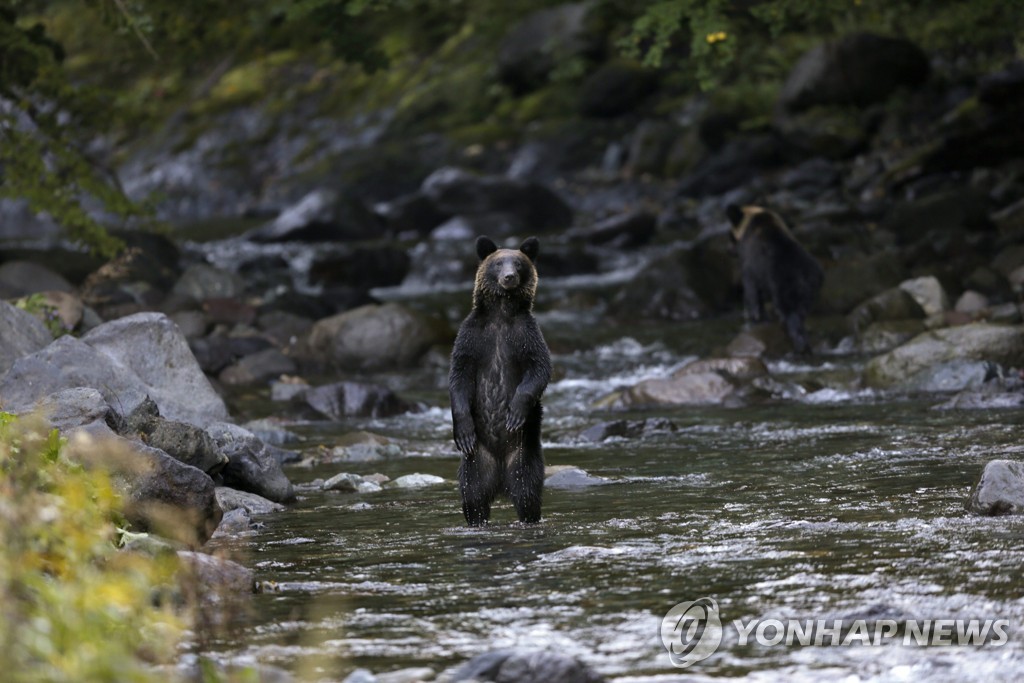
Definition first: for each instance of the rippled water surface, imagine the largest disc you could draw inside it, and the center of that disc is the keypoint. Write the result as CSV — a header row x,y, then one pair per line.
x,y
826,503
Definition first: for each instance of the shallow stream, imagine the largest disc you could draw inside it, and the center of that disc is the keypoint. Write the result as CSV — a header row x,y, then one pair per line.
x,y
824,504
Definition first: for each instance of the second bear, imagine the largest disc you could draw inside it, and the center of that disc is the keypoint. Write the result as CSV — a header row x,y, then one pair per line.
x,y
500,367
774,266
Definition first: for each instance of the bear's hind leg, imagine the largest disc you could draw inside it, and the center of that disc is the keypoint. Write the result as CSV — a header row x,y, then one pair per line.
x,y
524,480
478,484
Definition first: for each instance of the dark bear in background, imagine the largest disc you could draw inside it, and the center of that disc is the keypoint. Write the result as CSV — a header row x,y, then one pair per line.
x,y
500,367
774,266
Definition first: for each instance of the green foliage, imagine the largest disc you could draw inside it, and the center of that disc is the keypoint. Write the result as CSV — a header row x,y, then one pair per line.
x,y
72,606
718,32
37,305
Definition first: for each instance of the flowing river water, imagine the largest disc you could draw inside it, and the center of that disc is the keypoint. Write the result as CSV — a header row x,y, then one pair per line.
x,y
827,503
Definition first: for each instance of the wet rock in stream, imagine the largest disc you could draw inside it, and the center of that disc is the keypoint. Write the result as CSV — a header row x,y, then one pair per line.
x,y
1000,489
525,666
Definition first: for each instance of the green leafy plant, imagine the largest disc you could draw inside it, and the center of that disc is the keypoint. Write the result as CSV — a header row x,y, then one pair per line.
x,y
72,606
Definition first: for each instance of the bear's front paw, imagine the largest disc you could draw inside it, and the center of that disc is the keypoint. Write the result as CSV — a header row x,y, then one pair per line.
x,y
517,413
465,437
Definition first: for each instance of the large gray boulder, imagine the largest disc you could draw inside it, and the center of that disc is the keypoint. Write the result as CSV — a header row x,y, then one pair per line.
x,y
858,69
70,363
252,466
1001,344
152,347
21,333
161,494
1000,490
373,337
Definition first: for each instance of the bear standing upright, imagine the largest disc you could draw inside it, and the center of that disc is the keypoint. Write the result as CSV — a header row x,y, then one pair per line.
x,y
774,266
499,370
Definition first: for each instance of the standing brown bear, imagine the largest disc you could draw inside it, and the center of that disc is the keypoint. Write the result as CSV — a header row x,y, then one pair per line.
x,y
500,367
774,266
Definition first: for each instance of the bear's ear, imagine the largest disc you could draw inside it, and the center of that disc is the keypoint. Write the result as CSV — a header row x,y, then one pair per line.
x,y
485,246
530,247
735,214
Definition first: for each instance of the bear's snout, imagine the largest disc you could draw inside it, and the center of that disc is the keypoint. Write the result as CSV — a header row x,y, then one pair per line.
x,y
508,278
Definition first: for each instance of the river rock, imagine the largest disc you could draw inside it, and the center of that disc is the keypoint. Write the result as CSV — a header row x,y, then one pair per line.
x,y
192,324
217,352
1001,344
886,335
990,396
574,478
364,447
417,481
202,281
233,499
21,278
928,293
251,465
22,334
626,429
271,430
346,482
1000,490
894,303
154,350
322,215
213,577
459,192
971,302
706,381
760,341
184,442
543,39
233,522
355,399
625,231
373,337
69,363
857,69
282,327
850,280
411,213
162,495
70,408
954,375
258,367
662,290
525,666
416,674
364,267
